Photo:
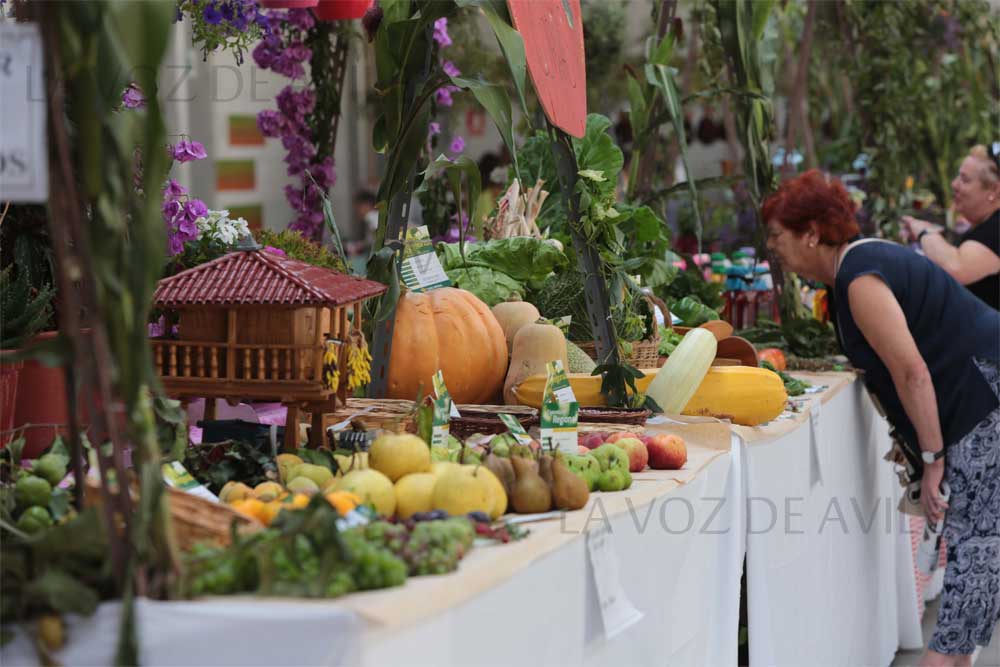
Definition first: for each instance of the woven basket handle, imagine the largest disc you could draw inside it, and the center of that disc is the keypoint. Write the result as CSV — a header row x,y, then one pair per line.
x,y
657,302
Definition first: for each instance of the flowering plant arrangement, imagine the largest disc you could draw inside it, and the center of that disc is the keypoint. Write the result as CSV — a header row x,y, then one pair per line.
x,y
307,108
234,25
440,213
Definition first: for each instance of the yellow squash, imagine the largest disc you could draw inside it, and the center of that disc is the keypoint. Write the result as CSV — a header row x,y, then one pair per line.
x,y
743,394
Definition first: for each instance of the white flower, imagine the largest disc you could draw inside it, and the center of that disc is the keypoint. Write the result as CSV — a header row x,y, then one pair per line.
x,y
218,227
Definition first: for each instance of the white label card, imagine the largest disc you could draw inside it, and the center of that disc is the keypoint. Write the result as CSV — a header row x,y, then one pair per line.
x,y
421,270
617,611
24,168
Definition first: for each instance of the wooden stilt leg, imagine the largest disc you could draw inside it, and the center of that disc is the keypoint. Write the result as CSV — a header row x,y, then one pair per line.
x,y
292,428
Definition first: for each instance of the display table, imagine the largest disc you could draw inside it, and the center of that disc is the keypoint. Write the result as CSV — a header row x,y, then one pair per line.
x,y
829,562
806,498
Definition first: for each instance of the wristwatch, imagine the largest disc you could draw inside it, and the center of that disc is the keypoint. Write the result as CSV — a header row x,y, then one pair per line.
x,y
931,457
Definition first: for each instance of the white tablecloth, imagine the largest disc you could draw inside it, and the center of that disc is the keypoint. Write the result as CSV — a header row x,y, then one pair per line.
x,y
829,568
679,559
239,631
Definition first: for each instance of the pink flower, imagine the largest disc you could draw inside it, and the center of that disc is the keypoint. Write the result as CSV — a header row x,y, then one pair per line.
x,y
435,128
457,145
275,251
188,151
441,32
450,69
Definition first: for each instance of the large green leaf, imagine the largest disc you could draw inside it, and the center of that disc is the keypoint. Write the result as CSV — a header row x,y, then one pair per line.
x,y
456,171
512,47
597,150
497,104
662,77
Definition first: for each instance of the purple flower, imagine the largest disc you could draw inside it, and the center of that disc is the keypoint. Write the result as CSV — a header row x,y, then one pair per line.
x,y
175,245
188,230
174,189
450,69
187,151
301,18
194,209
275,251
441,32
435,128
270,123
211,14
171,209
457,145
132,97
443,96
372,20
263,55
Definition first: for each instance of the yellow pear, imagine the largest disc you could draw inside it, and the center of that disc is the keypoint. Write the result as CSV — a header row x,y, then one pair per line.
x,y
320,475
372,487
414,493
398,454
285,464
438,468
268,491
234,491
464,489
303,485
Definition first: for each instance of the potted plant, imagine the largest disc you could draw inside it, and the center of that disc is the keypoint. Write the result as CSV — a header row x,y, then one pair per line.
x,y
26,311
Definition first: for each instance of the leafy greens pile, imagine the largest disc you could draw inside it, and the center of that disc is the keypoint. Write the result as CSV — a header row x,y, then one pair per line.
x,y
501,269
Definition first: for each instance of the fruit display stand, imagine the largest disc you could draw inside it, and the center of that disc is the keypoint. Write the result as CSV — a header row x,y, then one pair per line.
x,y
826,586
829,565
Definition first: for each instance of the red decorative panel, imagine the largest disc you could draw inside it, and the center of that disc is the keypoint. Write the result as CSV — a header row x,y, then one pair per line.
x,y
552,31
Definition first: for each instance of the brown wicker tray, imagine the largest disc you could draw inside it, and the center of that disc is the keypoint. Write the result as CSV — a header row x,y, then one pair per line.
x,y
614,415
386,413
485,419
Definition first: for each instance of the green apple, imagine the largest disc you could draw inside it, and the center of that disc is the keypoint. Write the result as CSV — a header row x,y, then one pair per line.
x,y
611,480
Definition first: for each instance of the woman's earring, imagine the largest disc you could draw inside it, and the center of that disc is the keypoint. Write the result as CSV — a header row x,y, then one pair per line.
x,y
812,245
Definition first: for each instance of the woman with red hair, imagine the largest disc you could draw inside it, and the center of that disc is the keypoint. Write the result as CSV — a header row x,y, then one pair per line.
x,y
930,352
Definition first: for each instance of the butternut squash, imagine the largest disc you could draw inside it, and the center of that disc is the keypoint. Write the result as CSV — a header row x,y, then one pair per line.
x,y
512,315
743,394
535,345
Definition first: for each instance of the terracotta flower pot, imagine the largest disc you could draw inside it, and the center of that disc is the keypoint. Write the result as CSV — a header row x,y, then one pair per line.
x,y
341,10
8,399
41,399
288,4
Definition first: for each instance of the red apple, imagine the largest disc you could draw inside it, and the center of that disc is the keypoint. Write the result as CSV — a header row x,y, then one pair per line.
x,y
615,437
591,440
582,450
637,454
667,452
646,439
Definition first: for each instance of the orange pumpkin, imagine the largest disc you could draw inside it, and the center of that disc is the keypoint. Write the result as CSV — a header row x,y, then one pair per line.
x,y
452,330
774,356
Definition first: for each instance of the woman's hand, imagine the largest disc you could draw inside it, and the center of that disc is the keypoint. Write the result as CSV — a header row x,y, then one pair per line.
x,y
930,491
913,226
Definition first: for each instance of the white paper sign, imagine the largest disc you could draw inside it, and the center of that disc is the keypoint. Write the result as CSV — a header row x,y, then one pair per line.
x,y
617,611
24,168
815,433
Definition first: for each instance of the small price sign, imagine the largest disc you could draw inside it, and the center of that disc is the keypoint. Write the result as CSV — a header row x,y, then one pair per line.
x,y
24,170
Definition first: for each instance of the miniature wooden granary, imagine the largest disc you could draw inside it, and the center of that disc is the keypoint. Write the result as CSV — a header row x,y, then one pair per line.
x,y
255,325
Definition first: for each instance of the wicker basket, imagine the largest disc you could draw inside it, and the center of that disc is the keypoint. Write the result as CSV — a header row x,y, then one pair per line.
x,y
614,415
396,413
485,419
194,519
645,353
199,520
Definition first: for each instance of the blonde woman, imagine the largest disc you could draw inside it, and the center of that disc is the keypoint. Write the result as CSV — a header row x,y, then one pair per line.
x,y
975,262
